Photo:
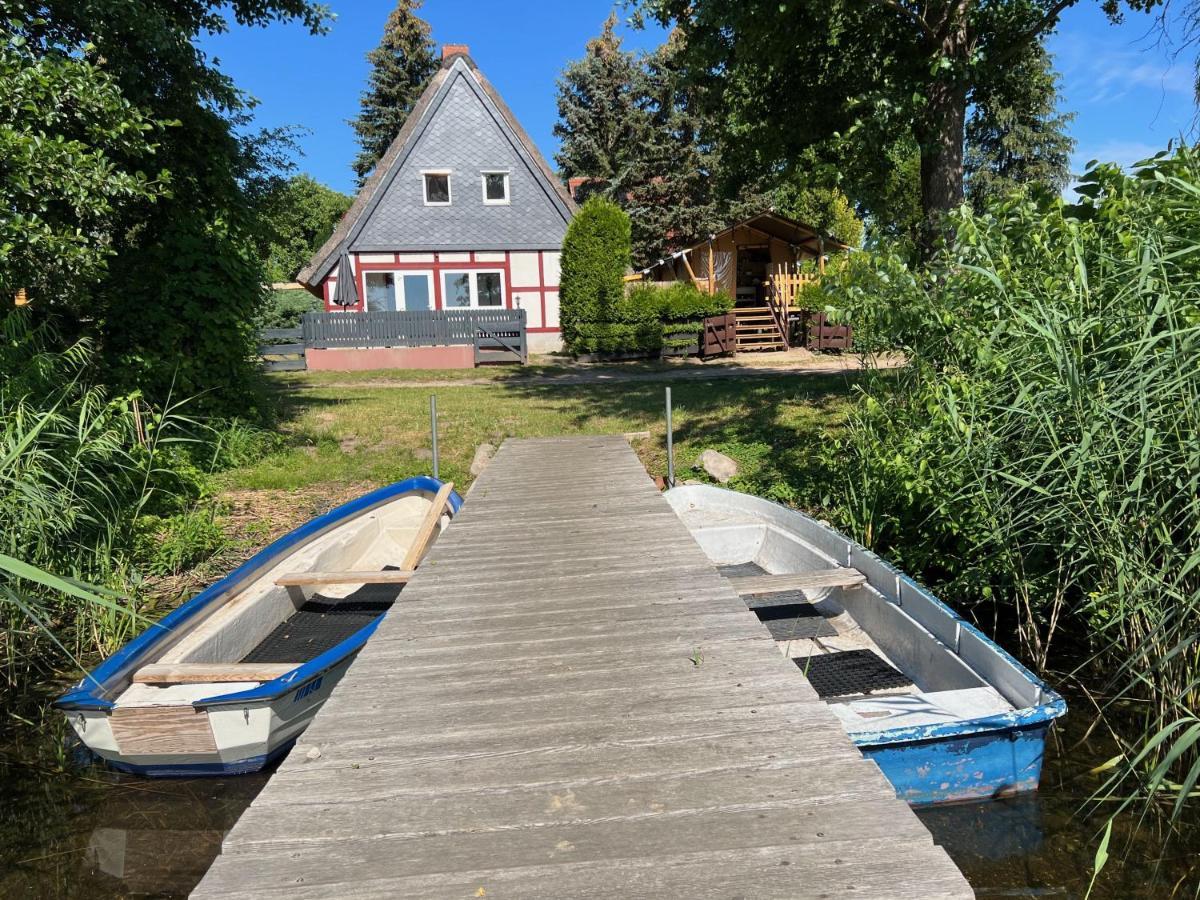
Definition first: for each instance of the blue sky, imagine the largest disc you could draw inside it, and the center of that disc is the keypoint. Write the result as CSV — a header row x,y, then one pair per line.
x,y
1129,95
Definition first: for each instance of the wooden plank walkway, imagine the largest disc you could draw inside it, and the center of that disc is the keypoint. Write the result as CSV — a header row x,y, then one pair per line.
x,y
569,701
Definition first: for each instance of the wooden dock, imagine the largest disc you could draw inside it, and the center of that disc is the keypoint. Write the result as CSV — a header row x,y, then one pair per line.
x,y
569,701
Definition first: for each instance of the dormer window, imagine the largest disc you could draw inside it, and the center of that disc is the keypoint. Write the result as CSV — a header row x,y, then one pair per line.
x,y
437,186
495,188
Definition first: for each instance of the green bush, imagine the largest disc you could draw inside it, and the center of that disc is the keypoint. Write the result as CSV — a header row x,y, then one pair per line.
x,y
169,546
650,319
595,256
619,337
283,309
1039,456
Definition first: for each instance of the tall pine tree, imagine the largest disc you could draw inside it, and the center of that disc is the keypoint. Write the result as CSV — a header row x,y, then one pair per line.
x,y
401,66
602,124
1016,137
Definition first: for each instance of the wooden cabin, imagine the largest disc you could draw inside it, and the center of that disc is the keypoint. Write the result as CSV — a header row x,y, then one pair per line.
x,y
760,262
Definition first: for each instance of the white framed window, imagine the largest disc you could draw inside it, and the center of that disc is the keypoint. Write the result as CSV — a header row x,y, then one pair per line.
x,y
399,291
495,187
435,186
473,288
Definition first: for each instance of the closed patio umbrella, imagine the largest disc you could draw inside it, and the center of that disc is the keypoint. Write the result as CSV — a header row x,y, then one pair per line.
x,y
345,292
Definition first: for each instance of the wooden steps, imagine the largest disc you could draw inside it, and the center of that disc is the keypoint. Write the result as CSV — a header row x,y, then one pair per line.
x,y
575,704
757,329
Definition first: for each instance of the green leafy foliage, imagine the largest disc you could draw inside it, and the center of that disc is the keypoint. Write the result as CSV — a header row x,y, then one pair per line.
x,y
171,313
1016,139
851,84
171,545
401,66
649,319
637,128
1039,457
299,215
595,257
82,472
601,122
824,208
283,309
73,149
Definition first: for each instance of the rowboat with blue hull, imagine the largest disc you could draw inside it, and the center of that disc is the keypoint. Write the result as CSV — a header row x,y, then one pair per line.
x,y
227,682
943,710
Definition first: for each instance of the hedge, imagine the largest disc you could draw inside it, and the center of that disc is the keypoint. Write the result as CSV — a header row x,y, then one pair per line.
x,y
651,318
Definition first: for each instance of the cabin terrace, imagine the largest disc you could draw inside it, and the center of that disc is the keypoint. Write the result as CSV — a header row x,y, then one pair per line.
x,y
461,213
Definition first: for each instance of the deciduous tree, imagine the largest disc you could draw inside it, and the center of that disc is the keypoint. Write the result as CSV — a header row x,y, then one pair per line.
x,y
787,76
174,311
300,215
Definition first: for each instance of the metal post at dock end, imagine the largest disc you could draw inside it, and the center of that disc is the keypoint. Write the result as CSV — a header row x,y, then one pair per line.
x,y
670,445
433,430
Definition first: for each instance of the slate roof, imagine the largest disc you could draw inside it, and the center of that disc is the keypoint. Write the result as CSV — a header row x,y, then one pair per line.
x,y
459,123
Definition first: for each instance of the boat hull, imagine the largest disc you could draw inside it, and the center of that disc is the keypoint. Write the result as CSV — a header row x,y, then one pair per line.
x,y
958,751
983,766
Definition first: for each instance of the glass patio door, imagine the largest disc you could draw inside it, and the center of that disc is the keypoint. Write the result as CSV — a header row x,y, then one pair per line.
x,y
399,291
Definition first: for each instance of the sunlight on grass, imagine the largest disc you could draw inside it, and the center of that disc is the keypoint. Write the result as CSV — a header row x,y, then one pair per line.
x,y
339,435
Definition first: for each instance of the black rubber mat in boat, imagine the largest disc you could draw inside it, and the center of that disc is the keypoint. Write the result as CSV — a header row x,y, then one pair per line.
x,y
850,672
322,623
776,598
741,570
795,621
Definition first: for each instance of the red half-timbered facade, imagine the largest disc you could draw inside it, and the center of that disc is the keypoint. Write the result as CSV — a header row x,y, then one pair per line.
x,y
461,212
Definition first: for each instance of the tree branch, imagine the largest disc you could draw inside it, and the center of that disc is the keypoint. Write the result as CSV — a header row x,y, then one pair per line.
x,y
1033,33
912,15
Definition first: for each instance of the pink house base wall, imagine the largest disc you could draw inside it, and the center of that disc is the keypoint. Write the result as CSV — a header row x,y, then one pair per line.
x,y
352,359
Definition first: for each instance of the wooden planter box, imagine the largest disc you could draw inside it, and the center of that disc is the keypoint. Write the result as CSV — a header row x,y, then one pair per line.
x,y
719,336
818,333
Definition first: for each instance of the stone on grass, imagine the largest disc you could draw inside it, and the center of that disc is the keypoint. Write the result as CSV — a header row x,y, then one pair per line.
x,y
718,465
483,456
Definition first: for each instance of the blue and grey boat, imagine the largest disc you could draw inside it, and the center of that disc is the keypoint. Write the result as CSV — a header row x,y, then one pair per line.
x,y
944,711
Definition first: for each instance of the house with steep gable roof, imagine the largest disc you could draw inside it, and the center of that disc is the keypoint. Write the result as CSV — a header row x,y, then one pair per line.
x,y
462,212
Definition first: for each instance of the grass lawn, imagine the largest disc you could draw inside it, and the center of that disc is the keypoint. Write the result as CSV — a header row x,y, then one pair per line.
x,y
343,439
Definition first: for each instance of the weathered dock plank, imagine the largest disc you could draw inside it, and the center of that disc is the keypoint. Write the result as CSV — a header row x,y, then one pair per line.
x,y
569,701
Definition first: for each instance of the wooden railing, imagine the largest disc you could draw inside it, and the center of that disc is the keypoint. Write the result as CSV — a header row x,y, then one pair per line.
x,y
779,312
786,286
418,328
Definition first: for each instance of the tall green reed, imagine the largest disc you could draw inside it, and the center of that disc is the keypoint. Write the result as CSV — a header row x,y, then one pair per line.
x,y
77,467
1039,459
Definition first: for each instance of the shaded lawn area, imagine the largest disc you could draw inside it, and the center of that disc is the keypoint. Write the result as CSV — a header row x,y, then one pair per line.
x,y
346,437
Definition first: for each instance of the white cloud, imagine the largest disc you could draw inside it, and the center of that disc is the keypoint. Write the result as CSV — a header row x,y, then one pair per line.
x,y
1116,74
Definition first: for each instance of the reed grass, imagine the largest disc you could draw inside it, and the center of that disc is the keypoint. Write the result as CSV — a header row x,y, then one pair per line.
x,y
1039,460
77,470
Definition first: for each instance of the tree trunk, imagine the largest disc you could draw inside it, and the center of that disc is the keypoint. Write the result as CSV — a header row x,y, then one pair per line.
x,y
941,132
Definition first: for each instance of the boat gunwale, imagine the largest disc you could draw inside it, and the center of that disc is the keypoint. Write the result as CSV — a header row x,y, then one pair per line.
x,y
86,694
1019,719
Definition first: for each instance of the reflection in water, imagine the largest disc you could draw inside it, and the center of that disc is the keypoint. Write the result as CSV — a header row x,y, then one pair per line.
x,y
95,834
99,834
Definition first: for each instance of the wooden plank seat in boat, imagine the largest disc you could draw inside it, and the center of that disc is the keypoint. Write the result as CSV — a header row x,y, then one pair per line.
x,y
210,673
382,576
797,581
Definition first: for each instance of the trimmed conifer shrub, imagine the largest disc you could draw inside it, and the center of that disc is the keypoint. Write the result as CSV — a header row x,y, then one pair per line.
x,y
595,255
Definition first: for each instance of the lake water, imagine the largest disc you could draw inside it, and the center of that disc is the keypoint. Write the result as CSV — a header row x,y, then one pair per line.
x,y
88,833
